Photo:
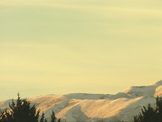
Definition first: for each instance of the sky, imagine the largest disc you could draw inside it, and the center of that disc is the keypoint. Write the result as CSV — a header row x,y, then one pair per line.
x,y
78,46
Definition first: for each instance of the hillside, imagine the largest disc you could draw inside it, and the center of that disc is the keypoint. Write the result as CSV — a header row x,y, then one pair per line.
x,y
97,107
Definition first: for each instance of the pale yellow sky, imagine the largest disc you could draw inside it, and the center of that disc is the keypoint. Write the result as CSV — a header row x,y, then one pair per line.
x,y
70,46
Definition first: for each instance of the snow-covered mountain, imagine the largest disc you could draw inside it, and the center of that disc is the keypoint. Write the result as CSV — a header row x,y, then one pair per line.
x,y
97,107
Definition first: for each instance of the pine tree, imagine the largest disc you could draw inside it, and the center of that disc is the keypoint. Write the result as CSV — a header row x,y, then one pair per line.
x,y
21,111
53,118
59,120
42,118
159,109
150,114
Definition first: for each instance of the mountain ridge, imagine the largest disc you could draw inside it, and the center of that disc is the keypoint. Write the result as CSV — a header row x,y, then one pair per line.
x,y
97,107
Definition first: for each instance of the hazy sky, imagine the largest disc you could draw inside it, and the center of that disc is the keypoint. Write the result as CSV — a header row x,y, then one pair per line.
x,y
70,46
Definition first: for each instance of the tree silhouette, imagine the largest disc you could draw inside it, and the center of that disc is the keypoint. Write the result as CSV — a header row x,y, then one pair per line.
x,y
150,114
53,118
42,118
21,111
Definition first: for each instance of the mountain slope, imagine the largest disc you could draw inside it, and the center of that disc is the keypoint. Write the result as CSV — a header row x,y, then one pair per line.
x,y
97,107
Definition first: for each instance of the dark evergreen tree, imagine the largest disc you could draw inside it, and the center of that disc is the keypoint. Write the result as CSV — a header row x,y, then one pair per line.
x,y
21,111
42,118
159,109
59,120
150,114
53,118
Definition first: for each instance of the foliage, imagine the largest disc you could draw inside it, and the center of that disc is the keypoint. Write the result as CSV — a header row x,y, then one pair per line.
x,y
150,114
42,118
21,111
53,118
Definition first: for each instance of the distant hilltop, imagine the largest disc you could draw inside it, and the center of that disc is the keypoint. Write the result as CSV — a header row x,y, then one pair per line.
x,y
97,107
